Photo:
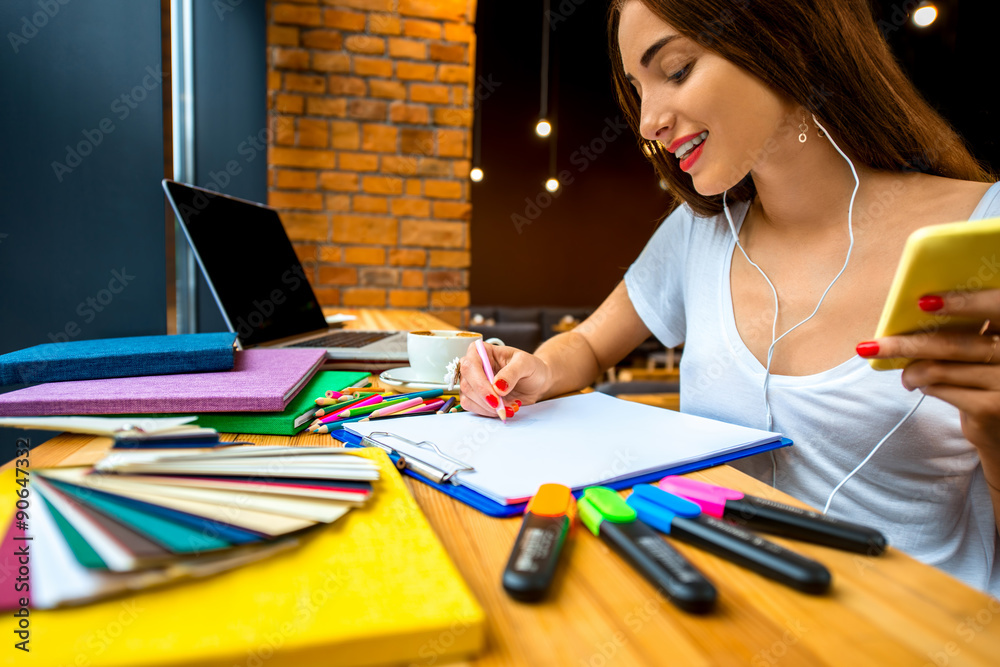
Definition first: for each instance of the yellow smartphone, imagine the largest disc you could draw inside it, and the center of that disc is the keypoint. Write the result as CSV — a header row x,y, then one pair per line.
x,y
954,257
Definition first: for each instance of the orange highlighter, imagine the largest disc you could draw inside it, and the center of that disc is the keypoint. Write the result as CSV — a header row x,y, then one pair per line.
x,y
536,550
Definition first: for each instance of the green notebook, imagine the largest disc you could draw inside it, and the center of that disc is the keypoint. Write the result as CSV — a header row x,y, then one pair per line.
x,y
282,423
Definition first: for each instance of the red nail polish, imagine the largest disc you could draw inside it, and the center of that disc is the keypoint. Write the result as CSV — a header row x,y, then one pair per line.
x,y
869,349
517,402
930,303
501,384
492,400
510,412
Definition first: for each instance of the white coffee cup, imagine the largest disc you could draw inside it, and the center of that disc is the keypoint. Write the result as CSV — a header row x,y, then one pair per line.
x,y
431,351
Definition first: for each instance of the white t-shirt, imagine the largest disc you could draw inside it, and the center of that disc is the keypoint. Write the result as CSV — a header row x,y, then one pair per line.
x,y
924,488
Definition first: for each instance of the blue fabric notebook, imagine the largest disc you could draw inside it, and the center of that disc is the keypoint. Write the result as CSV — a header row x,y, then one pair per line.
x,y
119,357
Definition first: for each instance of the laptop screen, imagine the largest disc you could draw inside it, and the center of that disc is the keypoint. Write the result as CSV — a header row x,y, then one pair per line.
x,y
250,264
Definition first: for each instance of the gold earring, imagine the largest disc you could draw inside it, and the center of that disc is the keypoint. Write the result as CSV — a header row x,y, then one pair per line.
x,y
803,128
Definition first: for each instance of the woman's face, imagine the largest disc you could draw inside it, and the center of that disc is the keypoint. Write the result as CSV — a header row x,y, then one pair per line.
x,y
690,95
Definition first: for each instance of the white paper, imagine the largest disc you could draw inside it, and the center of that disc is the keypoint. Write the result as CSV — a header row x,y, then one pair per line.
x,y
109,426
578,441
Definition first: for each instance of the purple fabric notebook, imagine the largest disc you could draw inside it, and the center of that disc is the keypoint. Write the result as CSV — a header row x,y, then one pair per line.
x,y
261,380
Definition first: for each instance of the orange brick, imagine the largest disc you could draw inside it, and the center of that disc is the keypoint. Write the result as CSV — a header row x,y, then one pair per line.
x,y
414,187
334,18
415,114
380,67
347,85
363,296
331,62
393,164
387,89
454,74
330,296
313,132
455,117
329,253
295,180
417,208
378,277
367,229
450,299
305,83
414,71
461,168
305,226
460,96
311,201
411,278
458,259
363,204
452,53
407,257
432,233
407,48
425,29
280,35
383,185
290,58
284,130
306,252
338,275
433,94
326,106
285,103
367,109
330,40
338,180
346,134
384,24
364,255
456,318
338,203
452,10
358,161
365,44
274,80
379,138
416,141
443,189
450,210
302,157
451,143
407,298
296,14
458,32
373,5
446,279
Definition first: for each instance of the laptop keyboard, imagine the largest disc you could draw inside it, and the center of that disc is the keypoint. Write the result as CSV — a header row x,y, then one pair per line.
x,y
345,339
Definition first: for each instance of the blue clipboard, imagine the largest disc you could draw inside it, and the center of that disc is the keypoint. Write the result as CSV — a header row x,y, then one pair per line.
x,y
491,507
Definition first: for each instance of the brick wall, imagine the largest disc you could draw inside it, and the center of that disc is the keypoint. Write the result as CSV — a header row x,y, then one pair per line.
x,y
370,109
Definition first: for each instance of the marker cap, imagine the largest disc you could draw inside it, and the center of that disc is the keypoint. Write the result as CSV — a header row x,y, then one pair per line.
x,y
600,503
659,508
710,498
552,500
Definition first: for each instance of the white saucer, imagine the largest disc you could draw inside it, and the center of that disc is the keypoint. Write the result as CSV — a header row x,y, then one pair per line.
x,y
405,378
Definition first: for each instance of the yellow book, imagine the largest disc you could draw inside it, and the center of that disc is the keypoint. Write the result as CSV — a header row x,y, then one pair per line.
x,y
375,587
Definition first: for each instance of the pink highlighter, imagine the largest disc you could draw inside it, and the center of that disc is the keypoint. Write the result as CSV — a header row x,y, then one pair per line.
x,y
776,518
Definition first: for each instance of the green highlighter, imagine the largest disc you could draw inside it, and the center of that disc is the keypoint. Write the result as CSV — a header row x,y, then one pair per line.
x,y
610,518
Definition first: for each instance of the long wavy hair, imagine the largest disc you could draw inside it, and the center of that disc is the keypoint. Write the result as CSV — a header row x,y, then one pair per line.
x,y
828,56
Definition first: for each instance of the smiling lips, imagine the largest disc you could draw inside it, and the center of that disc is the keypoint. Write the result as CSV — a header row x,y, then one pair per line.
x,y
687,149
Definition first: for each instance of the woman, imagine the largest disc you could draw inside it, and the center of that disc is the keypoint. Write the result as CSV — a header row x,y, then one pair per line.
x,y
787,125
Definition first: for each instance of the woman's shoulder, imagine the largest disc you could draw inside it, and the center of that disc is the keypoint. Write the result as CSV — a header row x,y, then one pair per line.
x,y
950,199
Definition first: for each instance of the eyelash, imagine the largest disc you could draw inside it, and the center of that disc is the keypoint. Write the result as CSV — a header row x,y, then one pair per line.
x,y
680,74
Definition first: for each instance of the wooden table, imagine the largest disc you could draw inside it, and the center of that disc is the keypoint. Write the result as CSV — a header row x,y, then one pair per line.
x,y
887,610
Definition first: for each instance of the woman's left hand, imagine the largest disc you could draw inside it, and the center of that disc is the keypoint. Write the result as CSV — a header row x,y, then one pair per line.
x,y
960,368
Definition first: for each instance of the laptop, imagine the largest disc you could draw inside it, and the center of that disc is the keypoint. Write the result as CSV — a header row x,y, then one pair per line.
x,y
260,285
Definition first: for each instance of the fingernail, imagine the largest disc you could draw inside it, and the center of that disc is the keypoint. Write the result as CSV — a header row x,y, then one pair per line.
x,y
517,402
501,385
930,303
516,407
492,400
869,349
510,412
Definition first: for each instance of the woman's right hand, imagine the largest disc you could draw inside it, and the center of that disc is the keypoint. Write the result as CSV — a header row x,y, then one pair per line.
x,y
520,378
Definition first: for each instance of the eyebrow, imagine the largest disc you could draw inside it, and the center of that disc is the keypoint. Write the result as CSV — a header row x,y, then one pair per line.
x,y
651,52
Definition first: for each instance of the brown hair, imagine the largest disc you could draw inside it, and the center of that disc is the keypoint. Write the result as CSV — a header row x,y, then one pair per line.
x,y
828,56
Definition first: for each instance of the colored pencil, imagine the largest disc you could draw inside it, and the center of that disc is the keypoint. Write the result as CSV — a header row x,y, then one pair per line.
x,y
447,405
488,369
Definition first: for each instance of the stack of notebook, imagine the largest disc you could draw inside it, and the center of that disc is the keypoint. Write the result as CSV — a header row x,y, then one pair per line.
x,y
146,515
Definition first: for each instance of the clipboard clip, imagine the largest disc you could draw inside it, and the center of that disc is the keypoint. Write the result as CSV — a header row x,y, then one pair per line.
x,y
419,466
